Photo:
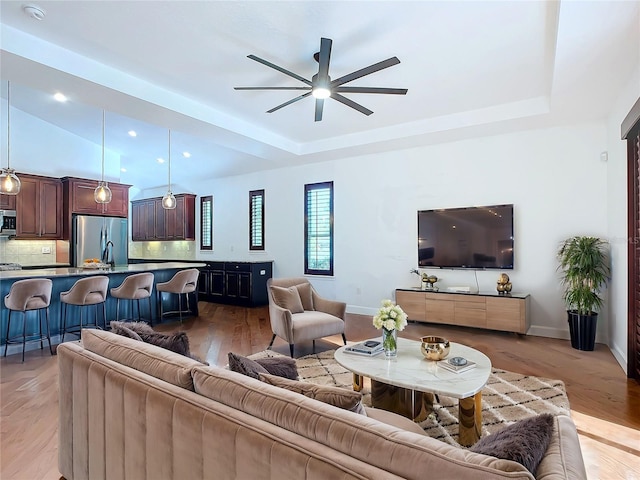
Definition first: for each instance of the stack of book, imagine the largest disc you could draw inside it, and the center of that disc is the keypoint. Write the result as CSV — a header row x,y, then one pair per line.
x,y
368,348
447,365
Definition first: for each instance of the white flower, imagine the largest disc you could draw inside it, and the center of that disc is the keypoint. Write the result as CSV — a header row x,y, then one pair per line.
x,y
390,316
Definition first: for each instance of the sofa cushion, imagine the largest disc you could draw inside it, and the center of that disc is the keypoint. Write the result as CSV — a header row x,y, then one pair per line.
x,y
155,361
287,298
525,441
336,396
304,290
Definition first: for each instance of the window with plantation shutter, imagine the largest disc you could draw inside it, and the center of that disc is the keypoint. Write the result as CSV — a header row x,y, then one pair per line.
x,y
318,228
206,223
256,220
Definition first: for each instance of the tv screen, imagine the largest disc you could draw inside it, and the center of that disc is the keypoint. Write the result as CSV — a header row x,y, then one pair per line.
x,y
472,237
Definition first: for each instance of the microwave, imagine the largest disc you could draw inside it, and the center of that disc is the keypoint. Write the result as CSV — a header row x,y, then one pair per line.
x,y
7,222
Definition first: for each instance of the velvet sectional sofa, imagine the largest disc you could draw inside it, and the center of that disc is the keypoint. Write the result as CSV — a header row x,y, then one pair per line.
x,y
130,410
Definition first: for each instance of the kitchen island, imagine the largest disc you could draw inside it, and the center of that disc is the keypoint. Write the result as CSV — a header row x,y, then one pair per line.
x,y
63,279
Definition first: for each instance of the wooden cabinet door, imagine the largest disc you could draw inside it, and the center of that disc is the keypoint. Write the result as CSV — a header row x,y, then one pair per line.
x,y
175,221
38,208
82,200
50,208
119,205
7,202
156,210
244,286
137,221
217,283
28,208
413,304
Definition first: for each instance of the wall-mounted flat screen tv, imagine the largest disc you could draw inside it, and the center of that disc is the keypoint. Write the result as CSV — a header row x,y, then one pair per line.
x,y
471,237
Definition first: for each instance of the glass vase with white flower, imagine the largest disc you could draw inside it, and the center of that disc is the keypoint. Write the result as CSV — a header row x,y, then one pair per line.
x,y
391,319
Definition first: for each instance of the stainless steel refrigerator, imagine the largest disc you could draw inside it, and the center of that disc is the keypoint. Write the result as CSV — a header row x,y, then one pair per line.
x,y
104,238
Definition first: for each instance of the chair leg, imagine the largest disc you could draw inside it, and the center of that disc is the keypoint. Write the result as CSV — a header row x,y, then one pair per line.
x,y
104,315
63,320
46,312
6,345
40,328
180,307
291,349
273,339
314,345
344,339
117,309
24,333
150,313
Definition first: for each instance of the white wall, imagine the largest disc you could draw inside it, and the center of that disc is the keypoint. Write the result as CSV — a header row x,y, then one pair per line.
x,y
617,219
554,177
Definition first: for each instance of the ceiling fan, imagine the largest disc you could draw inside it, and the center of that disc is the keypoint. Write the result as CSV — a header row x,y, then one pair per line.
x,y
321,86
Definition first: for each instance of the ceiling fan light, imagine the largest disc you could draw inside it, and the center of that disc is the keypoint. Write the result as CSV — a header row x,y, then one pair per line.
x,y
9,182
102,193
321,92
168,201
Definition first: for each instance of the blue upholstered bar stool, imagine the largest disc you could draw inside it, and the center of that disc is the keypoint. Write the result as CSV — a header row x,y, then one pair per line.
x,y
85,292
24,296
183,282
134,287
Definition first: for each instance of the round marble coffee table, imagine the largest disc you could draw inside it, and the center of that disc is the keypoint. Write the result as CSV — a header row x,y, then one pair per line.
x,y
413,373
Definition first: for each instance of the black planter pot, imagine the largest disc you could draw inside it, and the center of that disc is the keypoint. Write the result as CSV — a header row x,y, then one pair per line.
x,y
582,329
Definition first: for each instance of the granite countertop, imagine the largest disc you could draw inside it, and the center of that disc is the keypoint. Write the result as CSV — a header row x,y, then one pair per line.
x,y
78,271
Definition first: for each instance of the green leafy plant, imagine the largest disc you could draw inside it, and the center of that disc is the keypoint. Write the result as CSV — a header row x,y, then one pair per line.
x,y
585,271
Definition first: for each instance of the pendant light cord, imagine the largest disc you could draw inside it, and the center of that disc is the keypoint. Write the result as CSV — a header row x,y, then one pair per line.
x,y
8,123
103,145
169,160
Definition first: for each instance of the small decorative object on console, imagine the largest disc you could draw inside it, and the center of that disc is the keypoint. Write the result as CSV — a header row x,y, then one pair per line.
x,y
435,348
390,318
504,285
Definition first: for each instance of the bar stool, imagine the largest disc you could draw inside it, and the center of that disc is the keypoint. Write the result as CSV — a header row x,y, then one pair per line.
x,y
85,292
183,282
24,296
134,287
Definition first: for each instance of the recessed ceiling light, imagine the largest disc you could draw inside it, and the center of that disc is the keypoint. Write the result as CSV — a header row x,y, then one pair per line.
x,y
186,154
132,133
34,11
60,97
160,160
123,169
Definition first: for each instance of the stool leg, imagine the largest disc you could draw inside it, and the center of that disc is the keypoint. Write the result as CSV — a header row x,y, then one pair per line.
x,y
180,306
24,333
117,309
138,303
46,312
6,345
40,328
104,315
150,314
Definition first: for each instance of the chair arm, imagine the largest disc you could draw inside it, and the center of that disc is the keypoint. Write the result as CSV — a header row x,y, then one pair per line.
x,y
332,307
281,323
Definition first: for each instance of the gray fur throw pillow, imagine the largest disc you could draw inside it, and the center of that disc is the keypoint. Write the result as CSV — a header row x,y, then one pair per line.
x,y
121,328
525,441
280,366
176,342
245,366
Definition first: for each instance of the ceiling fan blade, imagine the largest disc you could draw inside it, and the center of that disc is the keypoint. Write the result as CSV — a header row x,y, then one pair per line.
x,y
319,108
389,62
280,69
293,100
272,88
392,91
351,103
325,56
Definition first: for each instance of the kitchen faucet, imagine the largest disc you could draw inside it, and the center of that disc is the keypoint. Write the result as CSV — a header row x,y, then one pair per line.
x,y
107,253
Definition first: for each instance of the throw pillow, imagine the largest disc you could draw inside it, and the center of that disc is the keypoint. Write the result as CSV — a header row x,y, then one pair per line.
x,y
525,441
245,366
120,328
287,298
336,396
280,366
304,290
176,342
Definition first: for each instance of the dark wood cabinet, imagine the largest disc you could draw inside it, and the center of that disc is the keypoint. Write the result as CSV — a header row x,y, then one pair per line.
x,y
38,208
150,221
79,199
7,202
238,283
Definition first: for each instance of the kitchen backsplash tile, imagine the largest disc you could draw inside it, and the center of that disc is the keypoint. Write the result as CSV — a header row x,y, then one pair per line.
x,y
28,252
176,250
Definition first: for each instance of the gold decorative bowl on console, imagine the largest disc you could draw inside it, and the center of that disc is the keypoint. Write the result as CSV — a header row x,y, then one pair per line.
x,y
434,348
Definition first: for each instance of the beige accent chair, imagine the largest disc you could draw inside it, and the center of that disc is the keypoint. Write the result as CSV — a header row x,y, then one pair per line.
x,y
183,282
24,296
134,287
307,318
85,292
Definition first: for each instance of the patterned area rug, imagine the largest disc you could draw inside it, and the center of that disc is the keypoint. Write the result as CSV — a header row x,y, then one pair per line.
x,y
506,398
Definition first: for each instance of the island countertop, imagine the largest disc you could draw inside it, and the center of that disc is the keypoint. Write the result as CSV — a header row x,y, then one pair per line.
x,y
80,271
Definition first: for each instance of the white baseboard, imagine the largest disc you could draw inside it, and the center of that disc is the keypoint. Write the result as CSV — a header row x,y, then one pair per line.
x,y
620,356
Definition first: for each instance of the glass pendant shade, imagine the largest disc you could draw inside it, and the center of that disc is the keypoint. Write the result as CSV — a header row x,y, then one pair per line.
x,y
169,201
9,181
102,193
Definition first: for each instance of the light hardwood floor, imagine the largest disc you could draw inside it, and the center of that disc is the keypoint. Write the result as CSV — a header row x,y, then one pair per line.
x,y
605,404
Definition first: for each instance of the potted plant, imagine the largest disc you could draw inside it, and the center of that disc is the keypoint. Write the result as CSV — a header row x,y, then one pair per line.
x,y
585,271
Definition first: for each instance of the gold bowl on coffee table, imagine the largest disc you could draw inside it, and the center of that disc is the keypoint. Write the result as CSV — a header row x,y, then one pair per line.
x,y
434,348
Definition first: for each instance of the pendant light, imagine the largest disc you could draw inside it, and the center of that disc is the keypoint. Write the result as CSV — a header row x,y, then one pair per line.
x,y
9,182
102,193
169,201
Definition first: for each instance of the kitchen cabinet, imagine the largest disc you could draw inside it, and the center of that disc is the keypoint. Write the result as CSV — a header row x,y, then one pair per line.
x,y
492,311
236,283
150,221
78,199
7,202
38,208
